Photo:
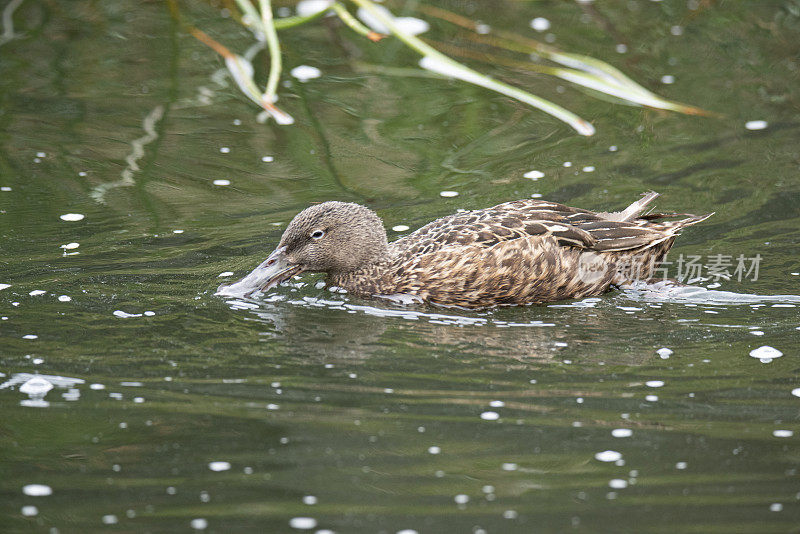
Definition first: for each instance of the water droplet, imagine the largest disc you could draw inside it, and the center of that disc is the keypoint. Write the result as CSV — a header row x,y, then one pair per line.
x,y
37,490
608,456
766,353
305,72
756,125
540,24
303,523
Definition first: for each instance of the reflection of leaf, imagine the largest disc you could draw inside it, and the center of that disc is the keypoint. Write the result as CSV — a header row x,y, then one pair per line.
x,y
435,61
242,73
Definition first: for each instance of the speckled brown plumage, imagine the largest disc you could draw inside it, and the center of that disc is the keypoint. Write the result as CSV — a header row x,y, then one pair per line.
x,y
520,252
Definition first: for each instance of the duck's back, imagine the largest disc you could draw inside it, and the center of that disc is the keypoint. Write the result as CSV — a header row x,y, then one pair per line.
x,y
524,251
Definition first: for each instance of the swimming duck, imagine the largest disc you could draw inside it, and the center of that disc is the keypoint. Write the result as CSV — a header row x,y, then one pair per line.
x,y
520,252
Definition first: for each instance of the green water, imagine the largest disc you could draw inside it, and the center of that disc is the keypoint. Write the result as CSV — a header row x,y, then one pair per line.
x,y
361,415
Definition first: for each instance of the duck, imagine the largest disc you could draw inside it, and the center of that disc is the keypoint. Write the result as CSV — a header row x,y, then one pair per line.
x,y
521,252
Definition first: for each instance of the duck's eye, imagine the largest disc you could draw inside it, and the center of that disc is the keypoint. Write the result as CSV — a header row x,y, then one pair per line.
x,y
317,234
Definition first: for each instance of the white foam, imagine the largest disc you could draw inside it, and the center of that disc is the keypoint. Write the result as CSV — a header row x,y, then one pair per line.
x,y
37,490
608,456
540,24
766,353
219,466
756,125
534,175
306,72
303,523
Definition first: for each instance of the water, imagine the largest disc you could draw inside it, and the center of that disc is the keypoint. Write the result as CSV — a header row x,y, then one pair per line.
x,y
159,407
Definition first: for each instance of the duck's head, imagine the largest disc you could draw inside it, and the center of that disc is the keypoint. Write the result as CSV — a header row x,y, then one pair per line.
x,y
332,237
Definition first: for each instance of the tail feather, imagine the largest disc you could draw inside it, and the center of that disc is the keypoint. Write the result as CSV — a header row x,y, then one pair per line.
x,y
633,211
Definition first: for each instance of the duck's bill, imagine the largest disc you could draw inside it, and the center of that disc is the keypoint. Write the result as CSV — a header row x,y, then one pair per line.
x,y
269,274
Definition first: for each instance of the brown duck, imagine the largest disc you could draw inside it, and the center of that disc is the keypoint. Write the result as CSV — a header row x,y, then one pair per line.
x,y
520,252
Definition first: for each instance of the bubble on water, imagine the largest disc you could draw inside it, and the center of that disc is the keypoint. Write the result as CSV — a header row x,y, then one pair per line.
x,y
490,416
668,79
306,72
621,48
534,175
588,168
567,164
219,466
664,353
400,228
30,336
37,292
303,523
540,24
177,231
5,188
407,531
72,217
651,398
617,483
36,387
37,490
309,500
29,511
434,449
622,432
676,30
199,523
654,383
510,514
97,386
224,149
783,433
608,456
221,182
756,125
497,404
766,353
125,315
461,498
448,194
680,465
225,274
756,332
267,159
775,507
509,466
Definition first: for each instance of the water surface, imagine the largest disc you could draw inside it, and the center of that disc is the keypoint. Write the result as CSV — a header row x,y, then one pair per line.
x,y
173,409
